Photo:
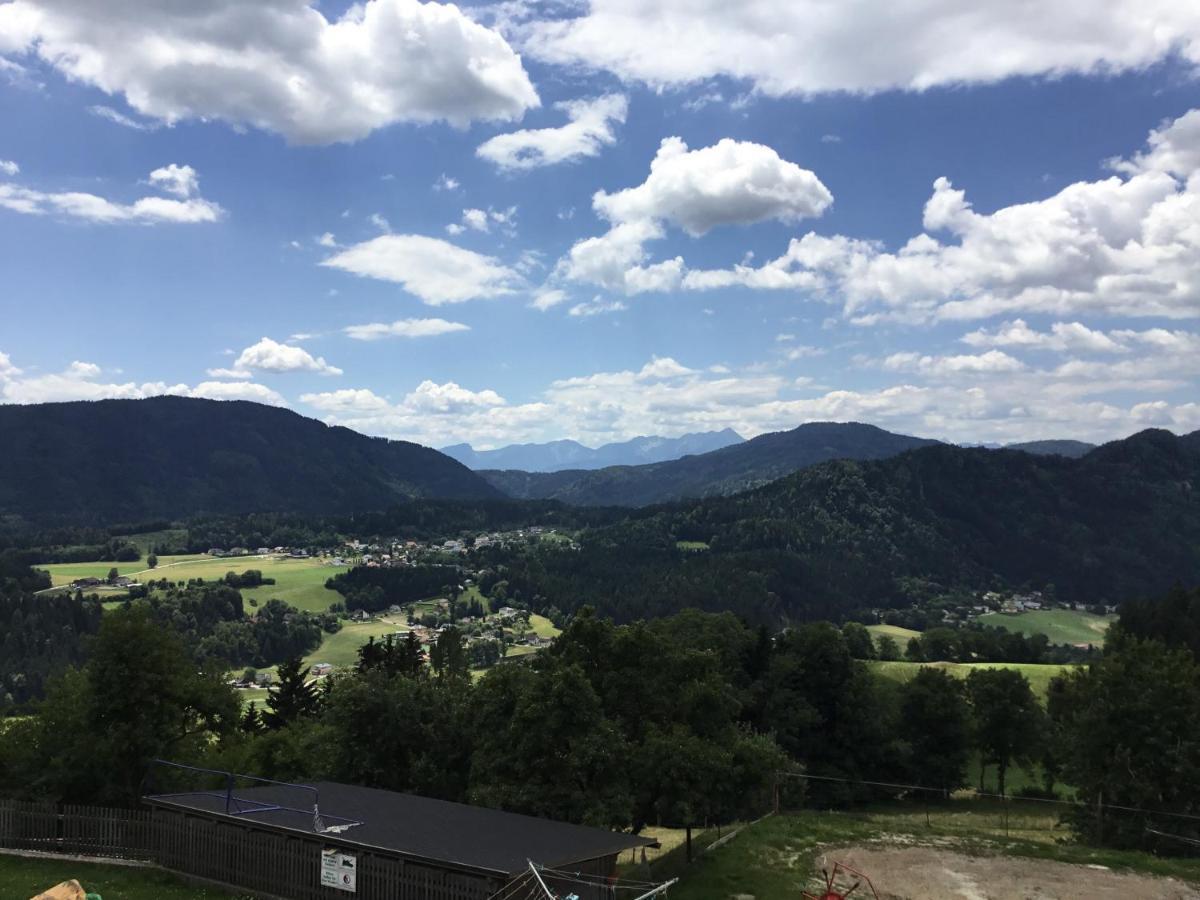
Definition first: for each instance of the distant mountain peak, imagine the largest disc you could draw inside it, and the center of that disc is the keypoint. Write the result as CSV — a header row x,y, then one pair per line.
x,y
562,454
726,470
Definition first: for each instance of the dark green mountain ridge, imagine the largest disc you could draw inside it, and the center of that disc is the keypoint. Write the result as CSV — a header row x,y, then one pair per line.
x,y
725,471
1120,522
180,457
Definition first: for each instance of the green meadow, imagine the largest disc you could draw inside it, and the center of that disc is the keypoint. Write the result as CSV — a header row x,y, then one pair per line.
x,y
341,649
299,582
900,635
1060,626
1039,675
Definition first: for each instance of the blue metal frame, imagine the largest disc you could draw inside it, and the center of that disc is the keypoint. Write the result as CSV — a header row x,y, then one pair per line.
x,y
241,806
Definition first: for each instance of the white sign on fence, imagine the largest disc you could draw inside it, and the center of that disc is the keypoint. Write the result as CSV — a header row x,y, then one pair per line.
x,y
338,870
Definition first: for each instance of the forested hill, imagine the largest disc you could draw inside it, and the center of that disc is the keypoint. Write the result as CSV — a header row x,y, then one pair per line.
x,y
1121,522
175,457
725,471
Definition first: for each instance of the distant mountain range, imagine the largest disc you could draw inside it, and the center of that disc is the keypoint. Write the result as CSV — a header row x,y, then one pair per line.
x,y
558,455
1071,449
1122,521
175,457
725,471
164,457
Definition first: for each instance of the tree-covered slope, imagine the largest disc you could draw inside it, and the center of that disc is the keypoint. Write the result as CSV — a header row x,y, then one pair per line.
x,y
1122,521
174,456
725,471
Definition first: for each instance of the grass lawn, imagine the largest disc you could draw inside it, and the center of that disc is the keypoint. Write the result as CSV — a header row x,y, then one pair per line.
x,y
543,627
341,649
62,574
520,650
300,582
22,877
1039,675
900,635
778,856
254,695
1060,626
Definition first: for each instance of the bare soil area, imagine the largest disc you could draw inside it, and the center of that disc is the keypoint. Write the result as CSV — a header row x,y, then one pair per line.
x,y
927,873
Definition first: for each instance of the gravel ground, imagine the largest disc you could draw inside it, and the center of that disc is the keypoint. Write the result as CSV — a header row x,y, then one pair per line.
x,y
926,873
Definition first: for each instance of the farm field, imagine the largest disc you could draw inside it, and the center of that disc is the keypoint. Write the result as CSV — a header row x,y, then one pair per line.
x,y
1060,626
1039,675
960,850
62,574
341,649
543,627
22,877
300,582
900,635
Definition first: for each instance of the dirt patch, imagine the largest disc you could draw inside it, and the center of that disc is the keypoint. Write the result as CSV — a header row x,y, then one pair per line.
x,y
927,873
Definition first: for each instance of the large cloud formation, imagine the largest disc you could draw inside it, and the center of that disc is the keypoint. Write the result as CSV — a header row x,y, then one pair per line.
x,y
84,381
989,396
1126,245
805,47
279,65
729,183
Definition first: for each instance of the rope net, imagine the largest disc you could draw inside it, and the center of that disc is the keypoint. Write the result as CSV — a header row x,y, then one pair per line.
x,y
544,883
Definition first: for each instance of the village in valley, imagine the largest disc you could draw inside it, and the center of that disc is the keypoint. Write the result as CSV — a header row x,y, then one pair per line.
x,y
491,630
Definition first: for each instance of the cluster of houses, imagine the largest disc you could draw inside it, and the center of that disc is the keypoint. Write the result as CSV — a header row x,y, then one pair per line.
x,y
287,552
400,552
1014,603
1008,603
123,581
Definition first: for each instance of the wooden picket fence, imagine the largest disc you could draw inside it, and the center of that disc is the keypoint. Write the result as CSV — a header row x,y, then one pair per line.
x,y
81,830
268,864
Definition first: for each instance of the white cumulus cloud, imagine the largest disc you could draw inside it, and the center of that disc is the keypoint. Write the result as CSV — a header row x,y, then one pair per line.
x,y
271,356
806,47
434,270
1121,246
411,328
176,179
181,181
279,65
590,128
84,381
729,183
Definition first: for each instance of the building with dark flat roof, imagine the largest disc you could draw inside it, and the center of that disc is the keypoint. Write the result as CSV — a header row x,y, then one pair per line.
x,y
329,840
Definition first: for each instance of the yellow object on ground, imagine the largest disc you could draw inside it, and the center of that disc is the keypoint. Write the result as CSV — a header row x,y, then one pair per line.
x,y
68,890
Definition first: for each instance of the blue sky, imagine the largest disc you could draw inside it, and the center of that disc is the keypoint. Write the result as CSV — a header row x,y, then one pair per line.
x,y
529,221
